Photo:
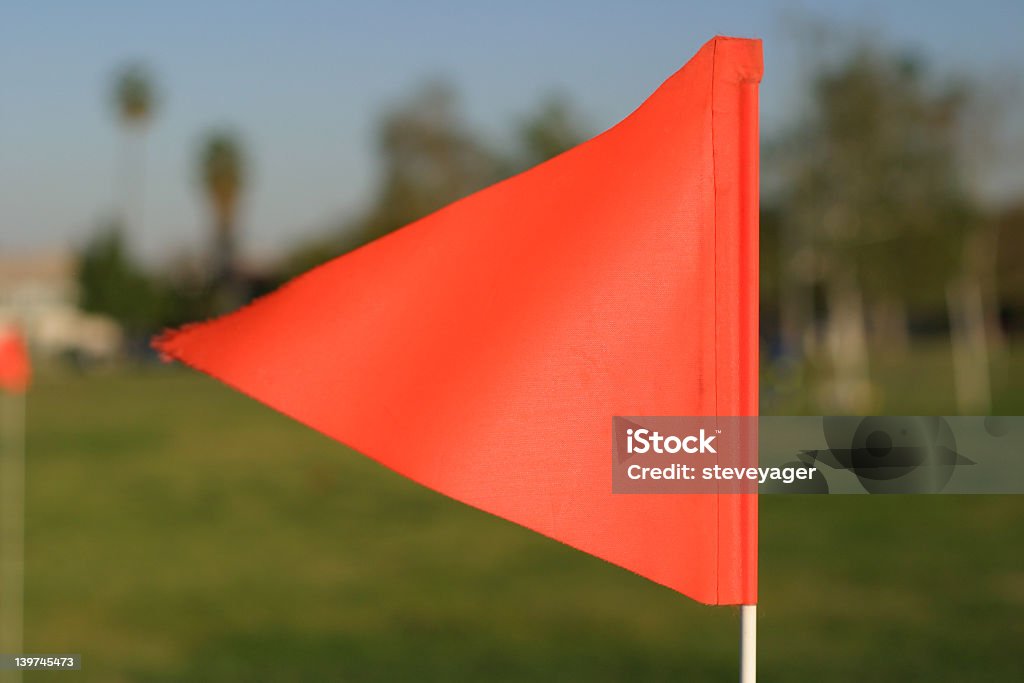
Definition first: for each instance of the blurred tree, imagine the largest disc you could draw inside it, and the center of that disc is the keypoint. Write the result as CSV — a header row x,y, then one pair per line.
x,y
134,100
133,95
875,208
222,173
111,284
313,251
1010,262
430,158
552,129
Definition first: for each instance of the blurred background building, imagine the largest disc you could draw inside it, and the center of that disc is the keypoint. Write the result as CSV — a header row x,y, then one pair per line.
x,y
40,293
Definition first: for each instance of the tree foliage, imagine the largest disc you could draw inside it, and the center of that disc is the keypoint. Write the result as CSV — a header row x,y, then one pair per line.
x,y
112,284
551,129
134,95
222,174
430,156
871,177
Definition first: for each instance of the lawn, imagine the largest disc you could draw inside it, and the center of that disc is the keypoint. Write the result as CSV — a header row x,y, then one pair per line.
x,y
180,531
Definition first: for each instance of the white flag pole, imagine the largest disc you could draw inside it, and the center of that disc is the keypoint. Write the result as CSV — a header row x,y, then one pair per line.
x,y
12,527
748,643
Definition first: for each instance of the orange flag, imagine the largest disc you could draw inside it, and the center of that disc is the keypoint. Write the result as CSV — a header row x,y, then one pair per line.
x,y
15,370
483,350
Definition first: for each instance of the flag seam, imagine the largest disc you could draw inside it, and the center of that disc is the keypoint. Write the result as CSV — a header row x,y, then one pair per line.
x,y
714,204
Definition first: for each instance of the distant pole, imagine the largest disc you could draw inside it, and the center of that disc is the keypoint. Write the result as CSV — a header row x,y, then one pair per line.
x,y
12,527
748,643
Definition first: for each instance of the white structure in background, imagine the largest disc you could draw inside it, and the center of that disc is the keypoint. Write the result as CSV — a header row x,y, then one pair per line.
x,y
39,292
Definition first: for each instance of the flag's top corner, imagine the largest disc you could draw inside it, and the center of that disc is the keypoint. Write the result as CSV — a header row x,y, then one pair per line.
x,y
743,55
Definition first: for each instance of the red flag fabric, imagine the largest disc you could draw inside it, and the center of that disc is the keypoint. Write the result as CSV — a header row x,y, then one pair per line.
x,y
483,350
15,369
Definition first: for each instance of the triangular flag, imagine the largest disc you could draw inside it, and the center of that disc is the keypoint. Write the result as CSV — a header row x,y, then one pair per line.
x,y
483,350
15,369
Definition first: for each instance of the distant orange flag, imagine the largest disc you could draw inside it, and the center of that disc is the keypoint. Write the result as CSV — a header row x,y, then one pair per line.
x,y
483,350
15,369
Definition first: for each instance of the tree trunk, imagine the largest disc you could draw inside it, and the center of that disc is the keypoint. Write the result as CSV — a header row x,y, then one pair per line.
x,y
889,326
228,288
133,182
846,339
223,254
970,348
986,250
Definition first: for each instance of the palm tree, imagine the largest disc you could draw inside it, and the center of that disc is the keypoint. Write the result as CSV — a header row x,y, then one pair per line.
x,y
134,100
222,172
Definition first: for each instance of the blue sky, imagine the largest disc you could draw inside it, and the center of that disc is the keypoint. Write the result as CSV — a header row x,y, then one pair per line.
x,y
303,82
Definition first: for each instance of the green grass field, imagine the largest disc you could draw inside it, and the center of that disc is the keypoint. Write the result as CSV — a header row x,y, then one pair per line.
x,y
178,531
